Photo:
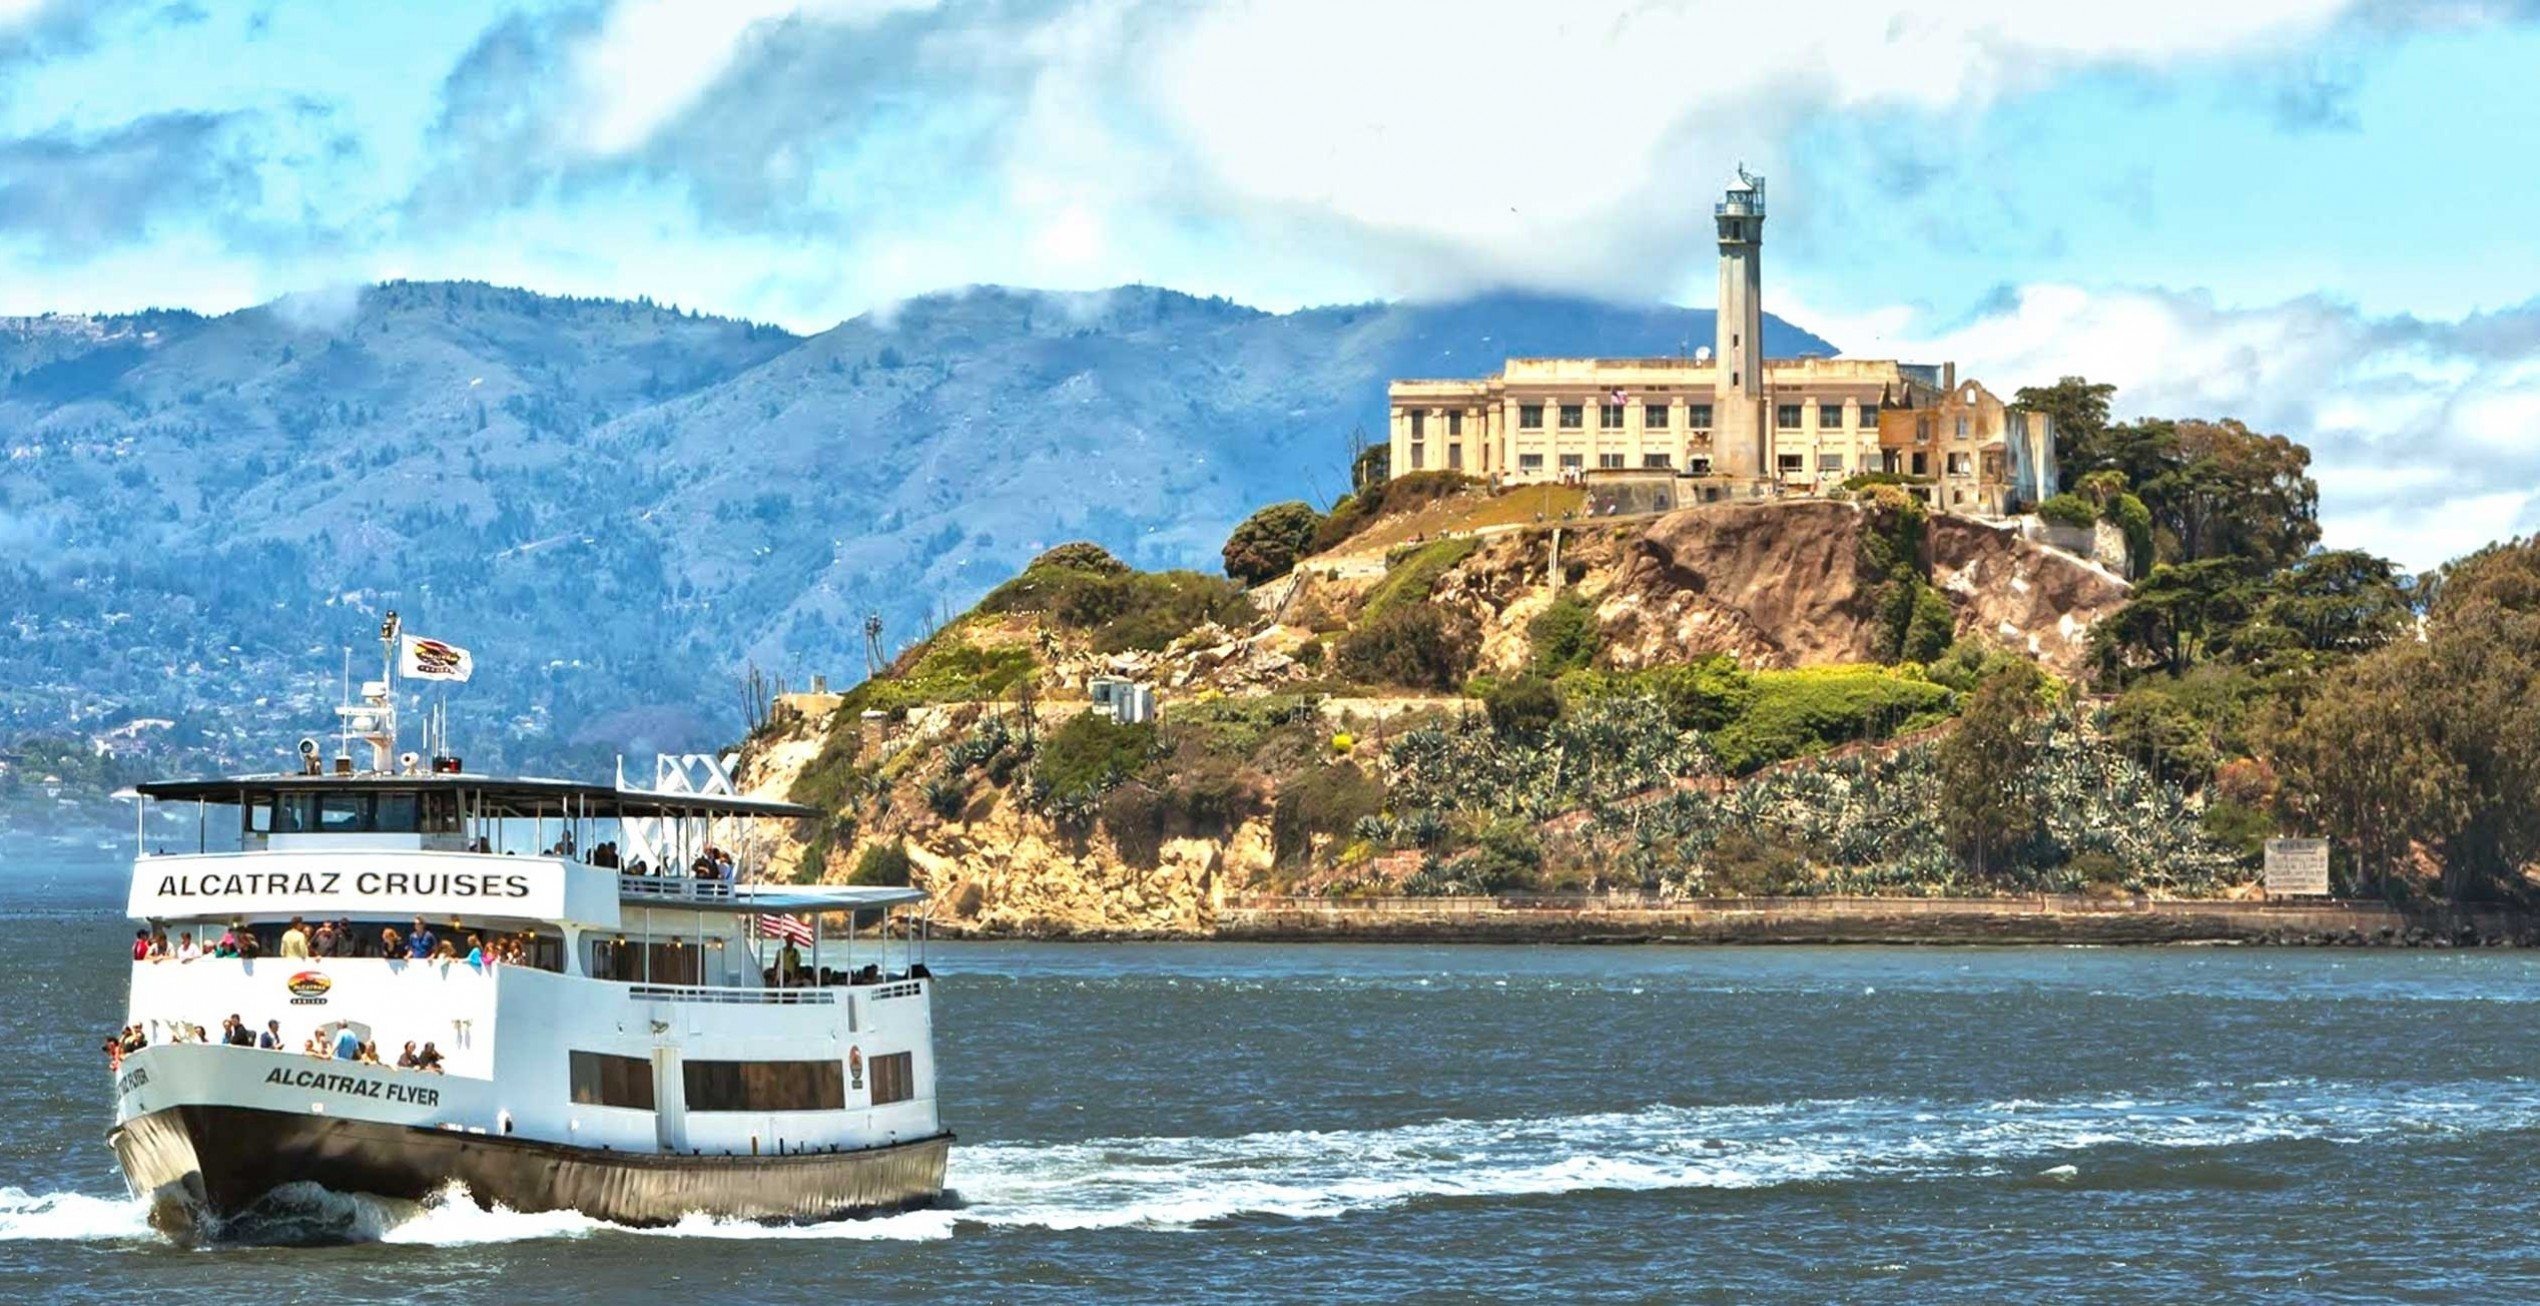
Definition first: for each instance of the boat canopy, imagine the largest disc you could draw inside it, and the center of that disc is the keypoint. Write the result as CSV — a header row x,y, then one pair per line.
x,y
523,797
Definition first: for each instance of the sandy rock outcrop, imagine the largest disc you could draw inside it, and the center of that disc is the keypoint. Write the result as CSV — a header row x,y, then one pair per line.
x,y
1783,585
2022,593
1774,584
1008,874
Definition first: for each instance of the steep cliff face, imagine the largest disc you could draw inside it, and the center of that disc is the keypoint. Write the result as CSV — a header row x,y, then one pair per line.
x,y
2020,593
1775,585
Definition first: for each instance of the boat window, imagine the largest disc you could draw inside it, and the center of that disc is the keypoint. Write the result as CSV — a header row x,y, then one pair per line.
x,y
394,812
894,1078
600,1079
343,813
441,813
765,1085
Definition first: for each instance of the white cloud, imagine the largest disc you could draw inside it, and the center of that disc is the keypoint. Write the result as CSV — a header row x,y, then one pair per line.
x,y
2421,433
651,60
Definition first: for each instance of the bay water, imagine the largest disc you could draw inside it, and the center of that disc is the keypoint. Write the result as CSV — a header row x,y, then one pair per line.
x,y
1173,1122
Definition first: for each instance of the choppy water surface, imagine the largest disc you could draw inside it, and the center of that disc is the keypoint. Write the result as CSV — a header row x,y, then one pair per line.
x,y
1177,1121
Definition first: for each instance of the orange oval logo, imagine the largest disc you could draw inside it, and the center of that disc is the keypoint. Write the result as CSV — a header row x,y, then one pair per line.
x,y
310,984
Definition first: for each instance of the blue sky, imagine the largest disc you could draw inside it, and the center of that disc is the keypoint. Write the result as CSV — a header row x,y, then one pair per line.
x,y
2313,214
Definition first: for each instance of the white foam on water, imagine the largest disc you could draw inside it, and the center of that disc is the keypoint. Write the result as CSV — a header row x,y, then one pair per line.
x,y
71,1217
1182,1183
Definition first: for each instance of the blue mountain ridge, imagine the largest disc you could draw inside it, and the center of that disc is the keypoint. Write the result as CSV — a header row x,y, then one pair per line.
x,y
619,505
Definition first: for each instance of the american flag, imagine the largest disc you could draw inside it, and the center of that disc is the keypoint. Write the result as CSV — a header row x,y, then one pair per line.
x,y
793,928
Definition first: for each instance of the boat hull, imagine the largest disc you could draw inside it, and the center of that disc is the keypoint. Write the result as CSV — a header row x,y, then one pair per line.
x,y
198,1160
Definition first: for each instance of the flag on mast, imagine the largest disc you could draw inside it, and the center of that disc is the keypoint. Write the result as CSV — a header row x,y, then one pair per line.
x,y
430,659
792,929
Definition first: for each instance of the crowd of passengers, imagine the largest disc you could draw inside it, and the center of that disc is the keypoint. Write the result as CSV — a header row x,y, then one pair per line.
x,y
339,938
343,1043
711,864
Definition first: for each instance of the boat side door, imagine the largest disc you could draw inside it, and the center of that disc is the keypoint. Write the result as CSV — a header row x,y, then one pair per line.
x,y
670,1101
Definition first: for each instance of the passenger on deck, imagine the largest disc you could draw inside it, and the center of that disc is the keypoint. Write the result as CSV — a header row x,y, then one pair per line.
x,y
134,1039
406,1059
343,937
421,942
605,855
141,944
322,941
369,1054
159,949
271,1039
228,945
249,946
316,1044
186,948
476,952
429,1059
348,1045
295,940
638,867
392,945
235,1033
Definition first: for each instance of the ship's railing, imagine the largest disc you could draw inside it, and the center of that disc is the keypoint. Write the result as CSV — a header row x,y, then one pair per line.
x,y
745,997
672,888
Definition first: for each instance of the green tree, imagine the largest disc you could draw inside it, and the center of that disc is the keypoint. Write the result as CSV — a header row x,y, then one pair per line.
x,y
1267,544
1984,764
2078,410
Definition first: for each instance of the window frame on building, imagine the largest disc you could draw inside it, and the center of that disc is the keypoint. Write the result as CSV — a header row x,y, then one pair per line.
x,y
1419,456
1786,417
1530,462
1791,464
1829,460
1698,417
1655,417
1573,462
1573,417
1530,417
1455,423
1658,462
1609,461
1609,416
1419,423
1830,417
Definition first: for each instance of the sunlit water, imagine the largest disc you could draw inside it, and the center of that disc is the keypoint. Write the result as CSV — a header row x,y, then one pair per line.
x,y
1173,1122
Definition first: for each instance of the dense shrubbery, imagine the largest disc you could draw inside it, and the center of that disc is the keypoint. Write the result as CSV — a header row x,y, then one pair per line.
x,y
2068,509
1702,695
882,863
1525,705
1413,576
1357,511
1792,713
1323,800
949,669
1267,544
1564,636
1083,588
1088,755
1415,646
1603,752
1915,623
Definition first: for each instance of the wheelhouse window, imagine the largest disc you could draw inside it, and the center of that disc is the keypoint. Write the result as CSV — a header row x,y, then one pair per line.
x,y
600,1079
894,1078
765,1085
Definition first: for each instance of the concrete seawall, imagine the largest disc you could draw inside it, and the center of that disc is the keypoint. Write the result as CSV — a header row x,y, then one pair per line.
x,y
2045,918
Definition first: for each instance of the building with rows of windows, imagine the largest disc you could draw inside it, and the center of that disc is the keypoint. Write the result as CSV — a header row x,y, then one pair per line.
x,y
1733,425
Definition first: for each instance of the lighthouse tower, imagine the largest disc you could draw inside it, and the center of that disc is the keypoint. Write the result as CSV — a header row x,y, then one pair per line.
x,y
1737,405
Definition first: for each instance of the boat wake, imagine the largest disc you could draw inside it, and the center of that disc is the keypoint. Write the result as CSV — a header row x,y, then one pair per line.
x,y
1187,1182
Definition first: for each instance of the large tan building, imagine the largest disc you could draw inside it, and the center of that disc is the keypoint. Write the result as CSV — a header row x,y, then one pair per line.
x,y
1732,424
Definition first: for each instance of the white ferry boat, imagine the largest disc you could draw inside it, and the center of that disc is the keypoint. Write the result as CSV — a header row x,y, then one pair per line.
x,y
604,1012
